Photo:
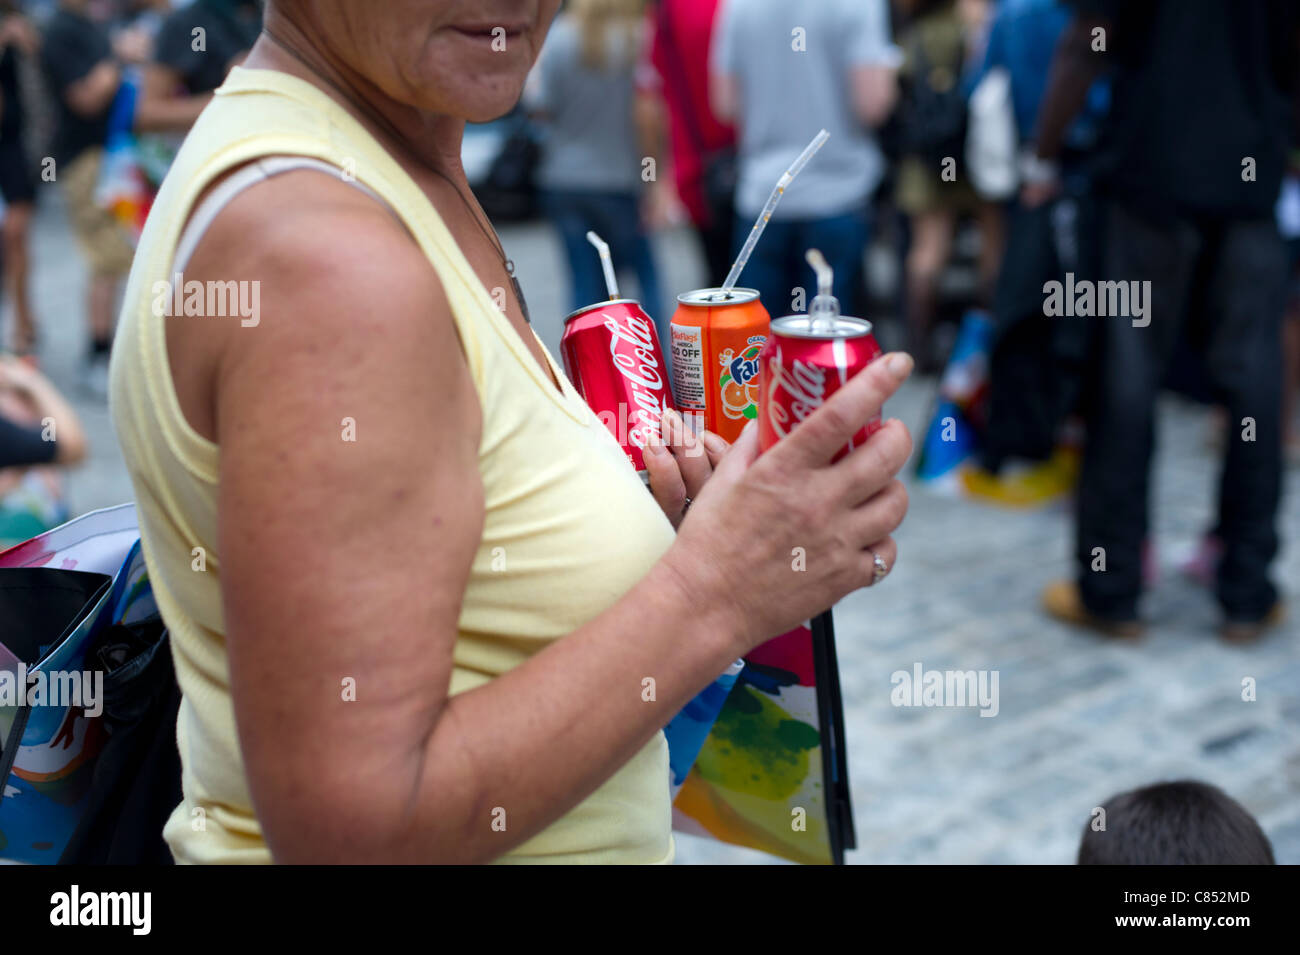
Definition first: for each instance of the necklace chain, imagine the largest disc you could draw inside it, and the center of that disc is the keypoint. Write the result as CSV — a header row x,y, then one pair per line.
x,y
396,135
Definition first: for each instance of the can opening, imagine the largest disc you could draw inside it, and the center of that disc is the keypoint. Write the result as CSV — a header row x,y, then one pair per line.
x,y
595,305
718,296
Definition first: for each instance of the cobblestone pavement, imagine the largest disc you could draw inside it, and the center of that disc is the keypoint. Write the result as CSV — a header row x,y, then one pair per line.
x,y
1079,719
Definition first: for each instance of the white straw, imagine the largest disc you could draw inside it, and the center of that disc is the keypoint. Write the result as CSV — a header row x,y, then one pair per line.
x,y
734,275
606,263
824,306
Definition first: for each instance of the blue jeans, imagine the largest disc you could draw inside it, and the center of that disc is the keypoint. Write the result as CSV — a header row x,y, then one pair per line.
x,y
777,265
616,218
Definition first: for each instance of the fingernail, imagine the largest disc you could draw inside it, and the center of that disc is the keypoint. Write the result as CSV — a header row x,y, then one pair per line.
x,y
713,442
899,364
653,443
673,418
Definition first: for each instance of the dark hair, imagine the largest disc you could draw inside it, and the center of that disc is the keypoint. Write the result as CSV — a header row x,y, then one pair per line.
x,y
1179,823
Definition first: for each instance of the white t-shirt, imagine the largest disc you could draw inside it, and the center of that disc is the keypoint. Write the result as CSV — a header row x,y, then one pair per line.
x,y
792,65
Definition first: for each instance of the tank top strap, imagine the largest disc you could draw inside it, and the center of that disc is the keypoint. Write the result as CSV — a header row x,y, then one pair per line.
x,y
259,170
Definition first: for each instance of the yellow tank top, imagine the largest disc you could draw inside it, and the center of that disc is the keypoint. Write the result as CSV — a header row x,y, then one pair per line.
x,y
564,511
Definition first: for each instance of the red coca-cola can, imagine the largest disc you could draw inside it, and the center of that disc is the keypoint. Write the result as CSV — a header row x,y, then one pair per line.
x,y
611,353
804,362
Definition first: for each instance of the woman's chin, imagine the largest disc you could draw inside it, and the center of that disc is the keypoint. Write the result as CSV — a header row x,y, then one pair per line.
x,y
480,99
460,78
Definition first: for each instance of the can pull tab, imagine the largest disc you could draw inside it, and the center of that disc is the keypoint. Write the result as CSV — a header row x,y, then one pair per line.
x,y
825,307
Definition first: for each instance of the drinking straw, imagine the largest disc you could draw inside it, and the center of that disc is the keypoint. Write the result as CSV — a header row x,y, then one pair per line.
x,y
734,275
824,307
606,263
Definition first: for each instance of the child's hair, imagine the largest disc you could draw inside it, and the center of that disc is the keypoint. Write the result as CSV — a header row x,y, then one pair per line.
x,y
1179,823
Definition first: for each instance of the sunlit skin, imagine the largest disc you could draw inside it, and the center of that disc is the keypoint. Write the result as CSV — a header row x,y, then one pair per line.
x,y
354,562
441,59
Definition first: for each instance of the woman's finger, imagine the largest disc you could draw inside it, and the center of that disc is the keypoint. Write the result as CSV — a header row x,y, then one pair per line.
x,y
878,561
690,452
666,484
880,516
824,432
715,446
739,457
867,469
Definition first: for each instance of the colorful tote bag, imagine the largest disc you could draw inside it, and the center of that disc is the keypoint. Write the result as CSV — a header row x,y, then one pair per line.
x,y
58,592
773,774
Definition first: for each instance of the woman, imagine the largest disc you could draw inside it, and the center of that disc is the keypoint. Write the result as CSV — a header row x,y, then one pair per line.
x,y
932,189
372,506
599,133
17,183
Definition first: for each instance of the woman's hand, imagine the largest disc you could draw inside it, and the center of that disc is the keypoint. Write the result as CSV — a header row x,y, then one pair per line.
x,y
679,463
776,539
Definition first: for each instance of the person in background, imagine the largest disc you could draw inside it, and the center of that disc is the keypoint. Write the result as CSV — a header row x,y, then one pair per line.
x,y
1035,366
1178,823
703,147
783,74
1202,563
932,189
180,78
84,78
17,182
24,443
598,135
39,431
134,28
1192,214
1290,225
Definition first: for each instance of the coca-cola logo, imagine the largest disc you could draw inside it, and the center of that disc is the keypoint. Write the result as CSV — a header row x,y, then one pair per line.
x,y
805,386
632,350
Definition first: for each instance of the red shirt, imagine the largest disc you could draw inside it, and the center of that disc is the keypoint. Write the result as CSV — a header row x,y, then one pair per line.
x,y
681,31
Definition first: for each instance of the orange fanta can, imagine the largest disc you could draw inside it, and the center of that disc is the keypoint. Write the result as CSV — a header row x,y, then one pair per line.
x,y
716,336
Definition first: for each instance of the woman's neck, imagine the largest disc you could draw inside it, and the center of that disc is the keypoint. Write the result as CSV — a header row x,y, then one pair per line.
x,y
434,139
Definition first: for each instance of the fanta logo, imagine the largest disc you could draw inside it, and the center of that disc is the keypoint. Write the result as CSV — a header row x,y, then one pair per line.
x,y
743,369
739,380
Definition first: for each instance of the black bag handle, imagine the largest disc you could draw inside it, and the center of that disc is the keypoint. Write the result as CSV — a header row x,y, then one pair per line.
x,y
10,750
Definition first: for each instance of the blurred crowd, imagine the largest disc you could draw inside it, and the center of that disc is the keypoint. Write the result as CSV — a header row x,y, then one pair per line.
x,y
95,95
1118,176
1142,148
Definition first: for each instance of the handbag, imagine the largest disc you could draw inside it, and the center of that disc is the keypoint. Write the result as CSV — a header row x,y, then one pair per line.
x,y
991,140
772,774
76,612
933,115
509,191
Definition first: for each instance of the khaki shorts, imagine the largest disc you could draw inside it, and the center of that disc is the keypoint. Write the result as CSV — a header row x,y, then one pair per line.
x,y
103,239
921,189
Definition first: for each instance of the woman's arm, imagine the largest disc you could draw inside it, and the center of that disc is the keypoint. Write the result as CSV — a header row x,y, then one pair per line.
x,y
347,560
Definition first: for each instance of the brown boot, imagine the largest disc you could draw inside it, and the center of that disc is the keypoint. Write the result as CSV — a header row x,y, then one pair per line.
x,y
1249,631
1062,600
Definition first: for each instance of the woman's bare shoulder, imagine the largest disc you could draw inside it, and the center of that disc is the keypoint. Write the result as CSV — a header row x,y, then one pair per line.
x,y
330,272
